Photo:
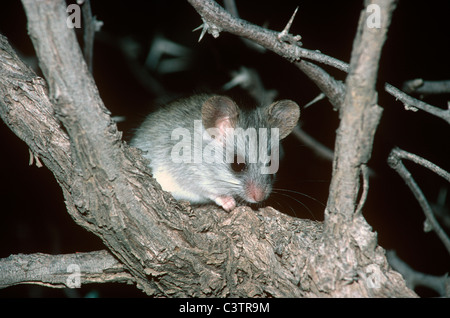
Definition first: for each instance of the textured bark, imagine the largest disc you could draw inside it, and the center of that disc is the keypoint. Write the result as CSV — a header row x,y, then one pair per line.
x,y
351,243
62,270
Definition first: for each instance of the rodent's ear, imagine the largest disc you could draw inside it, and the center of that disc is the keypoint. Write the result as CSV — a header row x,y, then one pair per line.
x,y
284,115
220,112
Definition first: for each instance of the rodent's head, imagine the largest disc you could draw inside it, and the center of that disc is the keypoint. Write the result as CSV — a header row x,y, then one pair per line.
x,y
250,143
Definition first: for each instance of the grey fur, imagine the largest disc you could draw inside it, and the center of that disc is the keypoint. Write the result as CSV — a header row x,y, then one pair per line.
x,y
203,182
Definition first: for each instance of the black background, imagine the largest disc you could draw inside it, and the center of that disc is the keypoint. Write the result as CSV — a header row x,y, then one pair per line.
x,y
33,216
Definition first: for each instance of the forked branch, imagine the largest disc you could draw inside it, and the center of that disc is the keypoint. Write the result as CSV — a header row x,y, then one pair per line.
x,y
395,162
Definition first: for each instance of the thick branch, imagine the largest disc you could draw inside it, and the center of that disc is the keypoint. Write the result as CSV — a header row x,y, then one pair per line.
x,y
37,125
360,115
110,182
345,228
61,271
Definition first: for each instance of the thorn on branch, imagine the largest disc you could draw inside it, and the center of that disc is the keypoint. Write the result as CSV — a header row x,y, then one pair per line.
x,y
212,29
284,35
315,100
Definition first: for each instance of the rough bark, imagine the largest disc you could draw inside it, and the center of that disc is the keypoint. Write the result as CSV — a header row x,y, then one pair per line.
x,y
352,245
62,270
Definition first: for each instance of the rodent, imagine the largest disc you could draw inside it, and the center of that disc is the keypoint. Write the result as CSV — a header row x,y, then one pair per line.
x,y
186,143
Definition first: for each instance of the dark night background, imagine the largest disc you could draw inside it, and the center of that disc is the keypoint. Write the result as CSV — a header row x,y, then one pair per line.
x,y
34,218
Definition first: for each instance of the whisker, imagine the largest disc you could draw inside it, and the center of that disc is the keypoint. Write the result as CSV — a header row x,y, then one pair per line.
x,y
303,194
288,205
298,201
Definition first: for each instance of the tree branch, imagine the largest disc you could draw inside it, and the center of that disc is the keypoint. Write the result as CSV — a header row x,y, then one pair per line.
x,y
360,115
90,26
61,271
414,103
216,19
108,181
333,89
395,163
27,110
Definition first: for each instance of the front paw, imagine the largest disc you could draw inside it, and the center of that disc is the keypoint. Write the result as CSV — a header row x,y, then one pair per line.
x,y
227,203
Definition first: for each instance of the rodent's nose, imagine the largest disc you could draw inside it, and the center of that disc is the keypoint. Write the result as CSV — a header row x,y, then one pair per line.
x,y
255,193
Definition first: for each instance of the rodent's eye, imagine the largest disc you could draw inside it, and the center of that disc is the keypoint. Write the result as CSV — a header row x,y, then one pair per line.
x,y
238,164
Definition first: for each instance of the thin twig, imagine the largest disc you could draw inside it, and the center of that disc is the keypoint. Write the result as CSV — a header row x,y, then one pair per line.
x,y
423,162
396,163
411,103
